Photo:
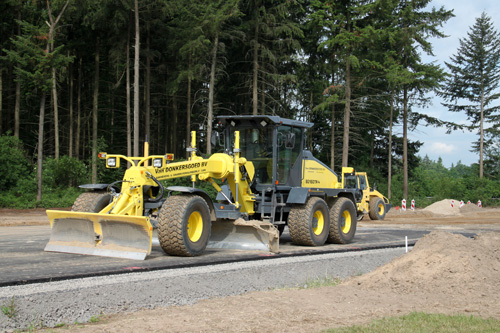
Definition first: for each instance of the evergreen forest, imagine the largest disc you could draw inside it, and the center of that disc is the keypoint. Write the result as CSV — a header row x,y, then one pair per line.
x,y
78,77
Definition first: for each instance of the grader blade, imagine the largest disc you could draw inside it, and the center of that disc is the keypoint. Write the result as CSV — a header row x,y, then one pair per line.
x,y
128,237
244,235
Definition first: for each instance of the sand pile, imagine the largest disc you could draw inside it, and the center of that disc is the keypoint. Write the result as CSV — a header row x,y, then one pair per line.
x,y
441,263
469,208
443,207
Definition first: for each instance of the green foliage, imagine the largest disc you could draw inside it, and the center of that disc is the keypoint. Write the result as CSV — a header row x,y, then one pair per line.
x,y
14,163
10,309
95,319
60,197
64,172
31,59
423,322
432,182
474,73
317,282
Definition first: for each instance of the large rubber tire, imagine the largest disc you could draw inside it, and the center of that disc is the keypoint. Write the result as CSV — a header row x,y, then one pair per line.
x,y
184,225
377,209
343,221
91,202
309,224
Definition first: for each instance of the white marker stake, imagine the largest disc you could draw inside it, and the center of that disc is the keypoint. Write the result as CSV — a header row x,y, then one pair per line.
x,y
406,243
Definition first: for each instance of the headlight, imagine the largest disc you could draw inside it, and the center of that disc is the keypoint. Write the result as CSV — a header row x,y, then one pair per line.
x,y
157,162
111,162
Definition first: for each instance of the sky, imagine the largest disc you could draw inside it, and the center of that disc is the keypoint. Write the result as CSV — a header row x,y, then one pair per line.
x,y
456,146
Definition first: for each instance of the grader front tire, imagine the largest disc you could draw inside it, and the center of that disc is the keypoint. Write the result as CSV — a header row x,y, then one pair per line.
x,y
309,224
91,202
184,225
343,221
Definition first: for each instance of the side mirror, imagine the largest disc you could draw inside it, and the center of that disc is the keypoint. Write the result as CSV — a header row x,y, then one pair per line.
x,y
214,139
290,141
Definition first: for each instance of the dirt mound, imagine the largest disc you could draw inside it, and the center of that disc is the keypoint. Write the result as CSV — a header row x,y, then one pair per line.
x,y
441,263
444,207
409,214
470,208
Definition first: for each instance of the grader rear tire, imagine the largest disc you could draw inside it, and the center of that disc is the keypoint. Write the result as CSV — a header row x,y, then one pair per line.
x,y
184,225
377,209
309,224
91,202
343,223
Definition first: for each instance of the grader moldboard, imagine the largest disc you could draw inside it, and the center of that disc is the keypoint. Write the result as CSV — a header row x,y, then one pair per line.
x,y
268,180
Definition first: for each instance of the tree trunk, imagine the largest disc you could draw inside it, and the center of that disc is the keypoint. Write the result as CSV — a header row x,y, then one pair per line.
x,y
175,112
255,94
332,135
1,98
17,109
405,142
78,110
50,49
332,139
56,113
308,118
70,151
147,88
389,158
17,106
188,108
372,147
211,94
481,136
95,114
347,115
136,79
127,92
41,120
263,98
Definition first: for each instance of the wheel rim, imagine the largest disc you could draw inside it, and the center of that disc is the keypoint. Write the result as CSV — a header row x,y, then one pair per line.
x,y
346,221
195,226
381,209
318,222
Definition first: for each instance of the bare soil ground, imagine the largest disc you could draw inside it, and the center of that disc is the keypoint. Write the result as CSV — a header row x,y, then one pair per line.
x,y
444,273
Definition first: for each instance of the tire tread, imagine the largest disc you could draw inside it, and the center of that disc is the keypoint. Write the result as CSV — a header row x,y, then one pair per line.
x,y
298,222
170,225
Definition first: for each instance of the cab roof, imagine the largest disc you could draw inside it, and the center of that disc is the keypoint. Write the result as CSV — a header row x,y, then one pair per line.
x,y
276,120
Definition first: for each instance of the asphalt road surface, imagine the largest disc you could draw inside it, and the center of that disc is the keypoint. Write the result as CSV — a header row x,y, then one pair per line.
x,y
22,259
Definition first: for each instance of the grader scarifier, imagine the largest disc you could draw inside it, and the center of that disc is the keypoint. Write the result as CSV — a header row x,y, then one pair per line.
x,y
268,180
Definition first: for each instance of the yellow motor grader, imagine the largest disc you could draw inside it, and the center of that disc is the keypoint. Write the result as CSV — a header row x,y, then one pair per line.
x,y
267,180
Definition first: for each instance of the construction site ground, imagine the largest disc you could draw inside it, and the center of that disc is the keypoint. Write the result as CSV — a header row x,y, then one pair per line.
x,y
446,272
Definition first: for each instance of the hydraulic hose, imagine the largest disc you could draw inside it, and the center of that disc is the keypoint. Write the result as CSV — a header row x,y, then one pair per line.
x,y
162,191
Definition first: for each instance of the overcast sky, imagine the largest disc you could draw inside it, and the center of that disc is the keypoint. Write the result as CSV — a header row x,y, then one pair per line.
x,y
456,146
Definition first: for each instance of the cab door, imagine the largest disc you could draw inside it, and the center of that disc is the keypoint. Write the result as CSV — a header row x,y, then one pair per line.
x,y
365,189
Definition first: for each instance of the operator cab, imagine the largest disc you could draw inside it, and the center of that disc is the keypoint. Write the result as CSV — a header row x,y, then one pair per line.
x,y
273,144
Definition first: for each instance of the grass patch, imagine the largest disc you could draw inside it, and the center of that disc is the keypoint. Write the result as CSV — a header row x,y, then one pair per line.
x,y
423,322
317,282
10,309
95,319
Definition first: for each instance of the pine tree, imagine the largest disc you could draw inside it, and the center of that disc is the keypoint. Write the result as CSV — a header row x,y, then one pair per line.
x,y
33,64
413,25
474,77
